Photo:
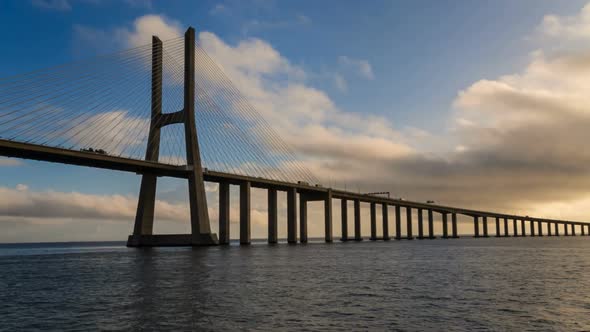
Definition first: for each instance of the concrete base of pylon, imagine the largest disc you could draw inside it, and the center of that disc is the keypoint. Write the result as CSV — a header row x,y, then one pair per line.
x,y
172,240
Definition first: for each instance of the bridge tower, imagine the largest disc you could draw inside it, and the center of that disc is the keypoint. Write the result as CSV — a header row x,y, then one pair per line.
x,y
144,219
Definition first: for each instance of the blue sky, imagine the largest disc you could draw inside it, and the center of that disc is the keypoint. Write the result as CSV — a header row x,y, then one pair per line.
x,y
420,55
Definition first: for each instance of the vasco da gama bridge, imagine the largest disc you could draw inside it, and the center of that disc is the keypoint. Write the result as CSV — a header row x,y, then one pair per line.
x,y
98,113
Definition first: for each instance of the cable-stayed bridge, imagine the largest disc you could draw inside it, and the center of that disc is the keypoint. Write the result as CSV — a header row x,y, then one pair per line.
x,y
167,109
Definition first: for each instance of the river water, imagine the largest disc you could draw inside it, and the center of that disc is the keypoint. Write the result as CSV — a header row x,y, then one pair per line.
x,y
515,284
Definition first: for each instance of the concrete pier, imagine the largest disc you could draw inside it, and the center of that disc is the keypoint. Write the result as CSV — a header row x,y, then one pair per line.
x,y
245,213
328,236
522,227
292,216
539,228
475,226
373,221
398,223
566,231
409,235
514,227
573,229
485,226
357,220
420,225
445,225
556,229
344,217
498,227
549,229
430,225
506,227
455,235
583,229
302,218
224,208
385,219
532,225
272,216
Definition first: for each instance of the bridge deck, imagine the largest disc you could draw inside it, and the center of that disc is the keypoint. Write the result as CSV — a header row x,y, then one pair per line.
x,y
89,159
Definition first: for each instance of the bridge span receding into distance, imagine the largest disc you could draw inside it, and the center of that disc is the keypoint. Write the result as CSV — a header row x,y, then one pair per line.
x,y
27,129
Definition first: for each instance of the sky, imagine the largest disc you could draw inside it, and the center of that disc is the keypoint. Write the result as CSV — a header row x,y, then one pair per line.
x,y
477,104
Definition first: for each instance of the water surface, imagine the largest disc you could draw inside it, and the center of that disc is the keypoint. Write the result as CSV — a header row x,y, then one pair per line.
x,y
452,285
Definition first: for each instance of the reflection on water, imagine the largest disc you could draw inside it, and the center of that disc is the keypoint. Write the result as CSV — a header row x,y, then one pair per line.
x,y
466,284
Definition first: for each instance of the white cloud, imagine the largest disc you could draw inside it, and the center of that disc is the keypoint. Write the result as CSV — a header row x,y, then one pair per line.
x,y
21,202
568,27
360,66
10,162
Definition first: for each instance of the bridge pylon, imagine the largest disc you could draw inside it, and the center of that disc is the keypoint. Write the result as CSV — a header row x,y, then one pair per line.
x,y
199,216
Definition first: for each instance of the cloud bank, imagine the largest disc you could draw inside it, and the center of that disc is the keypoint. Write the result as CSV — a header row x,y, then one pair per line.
x,y
516,143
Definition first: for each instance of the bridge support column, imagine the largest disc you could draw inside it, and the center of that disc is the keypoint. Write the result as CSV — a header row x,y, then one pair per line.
x,y
522,227
398,223
292,215
272,216
566,231
573,229
373,222
506,227
409,235
385,218
224,207
344,217
245,213
445,225
549,229
420,225
302,218
515,227
430,225
455,235
357,220
556,229
498,227
485,226
583,229
475,226
532,225
328,217
539,228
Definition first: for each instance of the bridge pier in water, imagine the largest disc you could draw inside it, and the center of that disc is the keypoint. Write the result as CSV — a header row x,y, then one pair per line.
x,y
475,226
292,216
272,216
455,235
373,221
420,225
445,225
431,225
344,218
357,220
385,219
409,235
506,227
398,223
